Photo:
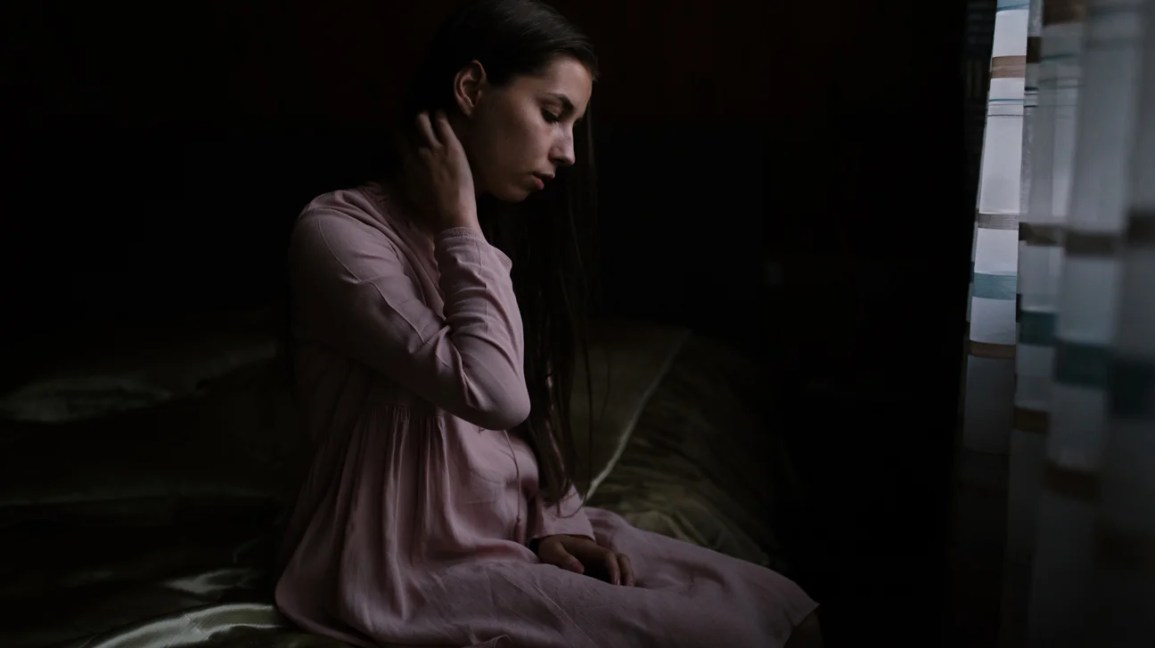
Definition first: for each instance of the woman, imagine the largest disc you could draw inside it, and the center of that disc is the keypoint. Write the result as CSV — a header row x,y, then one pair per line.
x,y
440,508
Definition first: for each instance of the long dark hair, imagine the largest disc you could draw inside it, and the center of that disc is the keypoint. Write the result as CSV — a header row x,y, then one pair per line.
x,y
549,237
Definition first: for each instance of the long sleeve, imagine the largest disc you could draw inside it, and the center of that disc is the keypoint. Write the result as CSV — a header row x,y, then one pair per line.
x,y
352,292
546,521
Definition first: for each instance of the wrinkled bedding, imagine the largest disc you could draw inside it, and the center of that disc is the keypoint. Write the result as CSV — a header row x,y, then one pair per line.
x,y
703,464
154,526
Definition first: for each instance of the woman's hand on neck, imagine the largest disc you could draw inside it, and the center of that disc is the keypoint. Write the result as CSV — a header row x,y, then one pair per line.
x,y
435,180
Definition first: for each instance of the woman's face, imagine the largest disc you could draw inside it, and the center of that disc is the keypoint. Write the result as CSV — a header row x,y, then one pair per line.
x,y
517,135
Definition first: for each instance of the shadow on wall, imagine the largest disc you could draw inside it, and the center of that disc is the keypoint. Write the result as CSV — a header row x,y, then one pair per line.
x,y
195,217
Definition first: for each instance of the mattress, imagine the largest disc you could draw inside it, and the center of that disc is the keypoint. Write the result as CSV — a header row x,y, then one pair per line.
x,y
152,521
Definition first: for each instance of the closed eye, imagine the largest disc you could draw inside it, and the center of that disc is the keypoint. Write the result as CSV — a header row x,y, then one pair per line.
x,y
550,117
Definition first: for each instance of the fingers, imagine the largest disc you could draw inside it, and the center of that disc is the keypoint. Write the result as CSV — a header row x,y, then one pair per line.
x,y
435,131
445,132
425,130
573,554
555,553
613,570
569,562
618,569
627,570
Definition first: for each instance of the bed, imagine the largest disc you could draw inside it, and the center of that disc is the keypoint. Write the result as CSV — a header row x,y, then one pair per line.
x,y
145,474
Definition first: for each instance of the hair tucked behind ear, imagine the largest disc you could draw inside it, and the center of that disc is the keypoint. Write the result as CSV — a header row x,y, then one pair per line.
x,y
549,237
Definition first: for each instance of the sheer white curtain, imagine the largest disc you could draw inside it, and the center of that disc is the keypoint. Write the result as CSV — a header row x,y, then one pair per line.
x,y
1065,225
1124,586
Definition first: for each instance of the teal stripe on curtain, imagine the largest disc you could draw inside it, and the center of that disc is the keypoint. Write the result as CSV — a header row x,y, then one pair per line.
x,y
1084,365
1132,388
995,286
1037,328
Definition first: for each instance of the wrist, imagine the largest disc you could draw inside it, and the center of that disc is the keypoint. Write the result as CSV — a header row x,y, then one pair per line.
x,y
543,538
461,216
535,544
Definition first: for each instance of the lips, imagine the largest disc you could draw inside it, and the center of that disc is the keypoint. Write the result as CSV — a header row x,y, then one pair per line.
x,y
540,179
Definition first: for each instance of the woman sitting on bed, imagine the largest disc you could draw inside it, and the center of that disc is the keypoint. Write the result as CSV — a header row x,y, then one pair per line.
x,y
440,508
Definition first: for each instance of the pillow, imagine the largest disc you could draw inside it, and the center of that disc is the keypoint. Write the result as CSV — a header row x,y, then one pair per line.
x,y
628,358
236,443
138,425
125,369
704,463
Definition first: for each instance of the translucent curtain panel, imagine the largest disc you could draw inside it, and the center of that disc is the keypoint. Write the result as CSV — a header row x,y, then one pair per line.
x,y
1125,539
1066,224
1033,368
990,367
1095,65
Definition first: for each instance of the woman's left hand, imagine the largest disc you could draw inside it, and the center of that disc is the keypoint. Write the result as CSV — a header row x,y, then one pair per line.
x,y
581,555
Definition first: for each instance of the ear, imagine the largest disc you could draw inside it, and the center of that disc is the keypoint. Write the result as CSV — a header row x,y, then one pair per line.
x,y
468,86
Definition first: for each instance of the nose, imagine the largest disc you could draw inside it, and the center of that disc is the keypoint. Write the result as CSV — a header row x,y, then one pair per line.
x,y
562,153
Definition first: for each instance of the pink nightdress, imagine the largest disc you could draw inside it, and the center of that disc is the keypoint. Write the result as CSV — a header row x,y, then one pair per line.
x,y
412,524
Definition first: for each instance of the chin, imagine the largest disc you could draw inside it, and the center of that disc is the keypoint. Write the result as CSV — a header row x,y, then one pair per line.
x,y
511,194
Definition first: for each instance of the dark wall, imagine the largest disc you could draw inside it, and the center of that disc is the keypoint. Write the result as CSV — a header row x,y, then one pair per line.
x,y
786,176
160,153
